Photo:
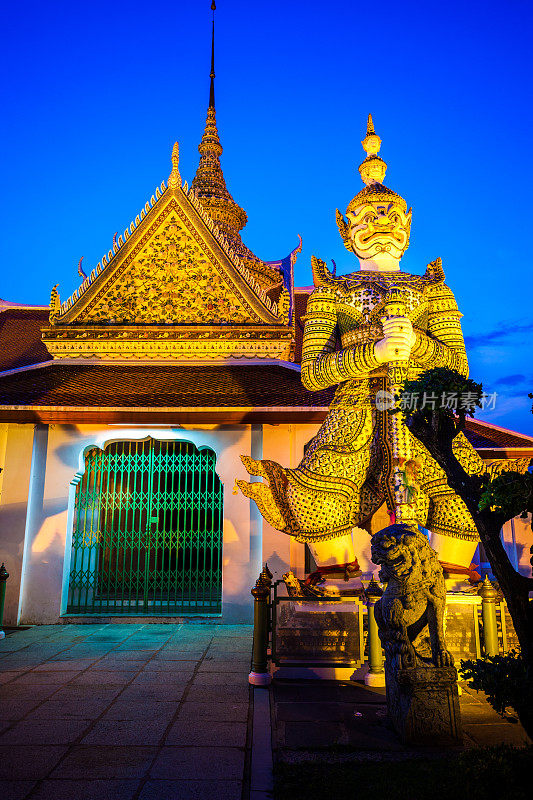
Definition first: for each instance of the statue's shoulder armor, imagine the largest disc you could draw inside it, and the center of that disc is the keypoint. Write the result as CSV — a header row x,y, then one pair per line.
x,y
322,294
434,273
439,295
321,304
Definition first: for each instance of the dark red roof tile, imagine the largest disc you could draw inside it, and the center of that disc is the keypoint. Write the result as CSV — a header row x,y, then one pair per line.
x,y
485,435
20,337
175,386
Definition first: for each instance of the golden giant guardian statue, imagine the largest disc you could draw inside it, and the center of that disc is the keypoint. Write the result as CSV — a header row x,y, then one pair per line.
x,y
365,333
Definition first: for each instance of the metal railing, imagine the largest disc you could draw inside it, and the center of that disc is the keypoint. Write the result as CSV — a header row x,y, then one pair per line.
x,y
342,631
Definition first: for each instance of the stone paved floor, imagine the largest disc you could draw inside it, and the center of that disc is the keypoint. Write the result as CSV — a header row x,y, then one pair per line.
x,y
129,712
310,717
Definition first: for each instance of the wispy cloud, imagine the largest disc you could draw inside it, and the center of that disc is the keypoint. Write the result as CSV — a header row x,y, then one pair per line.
x,y
510,380
503,407
505,331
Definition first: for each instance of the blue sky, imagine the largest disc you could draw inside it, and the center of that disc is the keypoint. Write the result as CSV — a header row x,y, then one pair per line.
x,y
94,96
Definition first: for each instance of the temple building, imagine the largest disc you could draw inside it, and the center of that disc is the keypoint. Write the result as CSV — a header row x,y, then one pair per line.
x,y
124,410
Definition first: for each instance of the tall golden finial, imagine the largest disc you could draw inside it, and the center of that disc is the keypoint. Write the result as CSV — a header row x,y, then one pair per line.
x,y
212,73
373,168
208,184
174,179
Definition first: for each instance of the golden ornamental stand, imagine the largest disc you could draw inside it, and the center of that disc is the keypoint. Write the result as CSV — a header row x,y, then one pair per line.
x,y
397,372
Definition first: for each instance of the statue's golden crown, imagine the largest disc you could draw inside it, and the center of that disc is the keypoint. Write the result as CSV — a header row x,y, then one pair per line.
x,y
376,193
372,172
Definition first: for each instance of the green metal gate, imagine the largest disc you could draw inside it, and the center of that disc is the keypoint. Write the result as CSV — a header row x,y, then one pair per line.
x,y
147,533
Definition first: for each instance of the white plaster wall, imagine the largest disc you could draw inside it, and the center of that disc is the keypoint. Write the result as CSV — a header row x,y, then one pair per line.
x,y
48,534
517,539
15,459
285,444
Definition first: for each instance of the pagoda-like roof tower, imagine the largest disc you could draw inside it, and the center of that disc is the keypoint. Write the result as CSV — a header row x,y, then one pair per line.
x,y
180,283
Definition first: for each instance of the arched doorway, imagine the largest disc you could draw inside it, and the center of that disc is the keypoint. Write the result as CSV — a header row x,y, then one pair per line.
x,y
147,537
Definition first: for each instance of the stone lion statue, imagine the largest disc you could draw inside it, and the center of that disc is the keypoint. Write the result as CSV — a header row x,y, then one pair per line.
x,y
410,615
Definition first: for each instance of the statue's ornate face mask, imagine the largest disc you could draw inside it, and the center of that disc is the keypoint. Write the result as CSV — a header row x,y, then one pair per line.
x,y
379,228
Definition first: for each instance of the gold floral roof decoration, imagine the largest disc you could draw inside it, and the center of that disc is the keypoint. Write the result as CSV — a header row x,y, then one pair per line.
x,y
174,179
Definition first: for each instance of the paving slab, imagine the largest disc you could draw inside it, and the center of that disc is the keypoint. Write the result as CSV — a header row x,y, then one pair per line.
x,y
206,733
155,678
44,731
314,712
226,679
93,677
489,734
60,709
157,693
226,665
125,732
17,709
81,694
24,762
480,713
117,664
311,717
191,790
213,763
16,790
65,664
76,789
217,693
220,712
9,675
187,656
141,710
18,691
105,762
58,677
135,656
18,663
178,667
330,691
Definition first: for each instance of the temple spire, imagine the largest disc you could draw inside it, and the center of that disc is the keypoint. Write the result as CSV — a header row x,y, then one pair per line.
x,y
212,73
208,184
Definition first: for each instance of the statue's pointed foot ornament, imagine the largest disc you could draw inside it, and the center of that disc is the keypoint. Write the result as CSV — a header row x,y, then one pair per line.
x,y
270,497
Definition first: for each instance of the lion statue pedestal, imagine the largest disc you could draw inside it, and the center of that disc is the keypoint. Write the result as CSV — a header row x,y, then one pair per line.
x,y
421,681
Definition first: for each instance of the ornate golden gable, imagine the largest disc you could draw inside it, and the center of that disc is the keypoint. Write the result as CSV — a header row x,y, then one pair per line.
x,y
172,288
172,279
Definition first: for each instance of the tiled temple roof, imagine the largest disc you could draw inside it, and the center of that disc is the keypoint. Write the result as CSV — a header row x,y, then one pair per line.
x,y
159,385
20,337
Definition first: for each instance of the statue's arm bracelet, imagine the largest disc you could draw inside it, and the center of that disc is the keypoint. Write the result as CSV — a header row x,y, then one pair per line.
x,y
447,350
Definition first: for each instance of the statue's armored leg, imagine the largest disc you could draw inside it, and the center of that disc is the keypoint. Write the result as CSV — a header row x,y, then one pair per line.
x,y
453,534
